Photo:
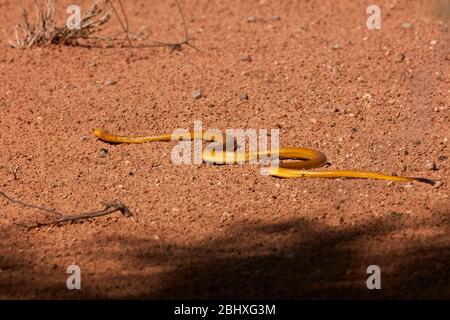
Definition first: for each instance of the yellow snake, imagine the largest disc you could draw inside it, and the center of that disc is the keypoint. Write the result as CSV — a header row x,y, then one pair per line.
x,y
309,158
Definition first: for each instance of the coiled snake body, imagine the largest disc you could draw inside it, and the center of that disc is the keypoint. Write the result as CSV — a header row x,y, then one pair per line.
x,y
308,158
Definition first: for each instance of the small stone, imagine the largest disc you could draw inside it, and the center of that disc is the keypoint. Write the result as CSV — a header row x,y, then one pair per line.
x,y
197,94
110,82
406,25
395,214
367,97
442,158
335,71
400,57
433,42
336,46
437,184
252,19
84,138
404,152
430,166
245,58
243,96
103,153
276,18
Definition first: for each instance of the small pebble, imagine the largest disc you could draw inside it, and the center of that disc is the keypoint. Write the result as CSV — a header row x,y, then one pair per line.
x,y
252,19
243,96
110,82
437,184
84,138
197,94
103,153
406,25
276,18
395,214
430,166
336,46
400,57
246,58
433,42
367,97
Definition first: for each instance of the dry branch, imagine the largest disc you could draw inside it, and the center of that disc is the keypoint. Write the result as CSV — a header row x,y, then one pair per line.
x,y
58,217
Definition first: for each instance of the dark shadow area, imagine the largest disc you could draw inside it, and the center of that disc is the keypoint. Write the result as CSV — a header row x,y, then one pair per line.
x,y
299,259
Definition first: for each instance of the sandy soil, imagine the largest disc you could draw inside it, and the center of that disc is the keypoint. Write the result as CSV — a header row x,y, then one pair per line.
x,y
203,231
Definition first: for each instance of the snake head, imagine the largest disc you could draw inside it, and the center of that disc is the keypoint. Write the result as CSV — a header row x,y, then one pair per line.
x,y
98,132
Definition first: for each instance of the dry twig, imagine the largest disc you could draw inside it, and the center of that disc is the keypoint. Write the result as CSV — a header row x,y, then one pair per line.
x,y
15,171
58,217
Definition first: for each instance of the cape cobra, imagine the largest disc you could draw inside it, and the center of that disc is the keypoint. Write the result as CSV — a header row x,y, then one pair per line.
x,y
309,158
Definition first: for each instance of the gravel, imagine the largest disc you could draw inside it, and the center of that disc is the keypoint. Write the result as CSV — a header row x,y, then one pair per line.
x,y
430,166
406,25
246,58
110,82
197,94
103,153
400,57
243,96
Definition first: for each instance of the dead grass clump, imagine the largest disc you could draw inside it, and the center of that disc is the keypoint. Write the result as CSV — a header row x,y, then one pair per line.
x,y
45,31
87,33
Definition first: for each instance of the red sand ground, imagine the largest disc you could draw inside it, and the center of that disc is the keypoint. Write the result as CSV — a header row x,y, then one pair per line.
x,y
204,231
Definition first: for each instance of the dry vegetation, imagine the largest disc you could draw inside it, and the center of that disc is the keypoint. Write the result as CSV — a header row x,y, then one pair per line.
x,y
44,30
